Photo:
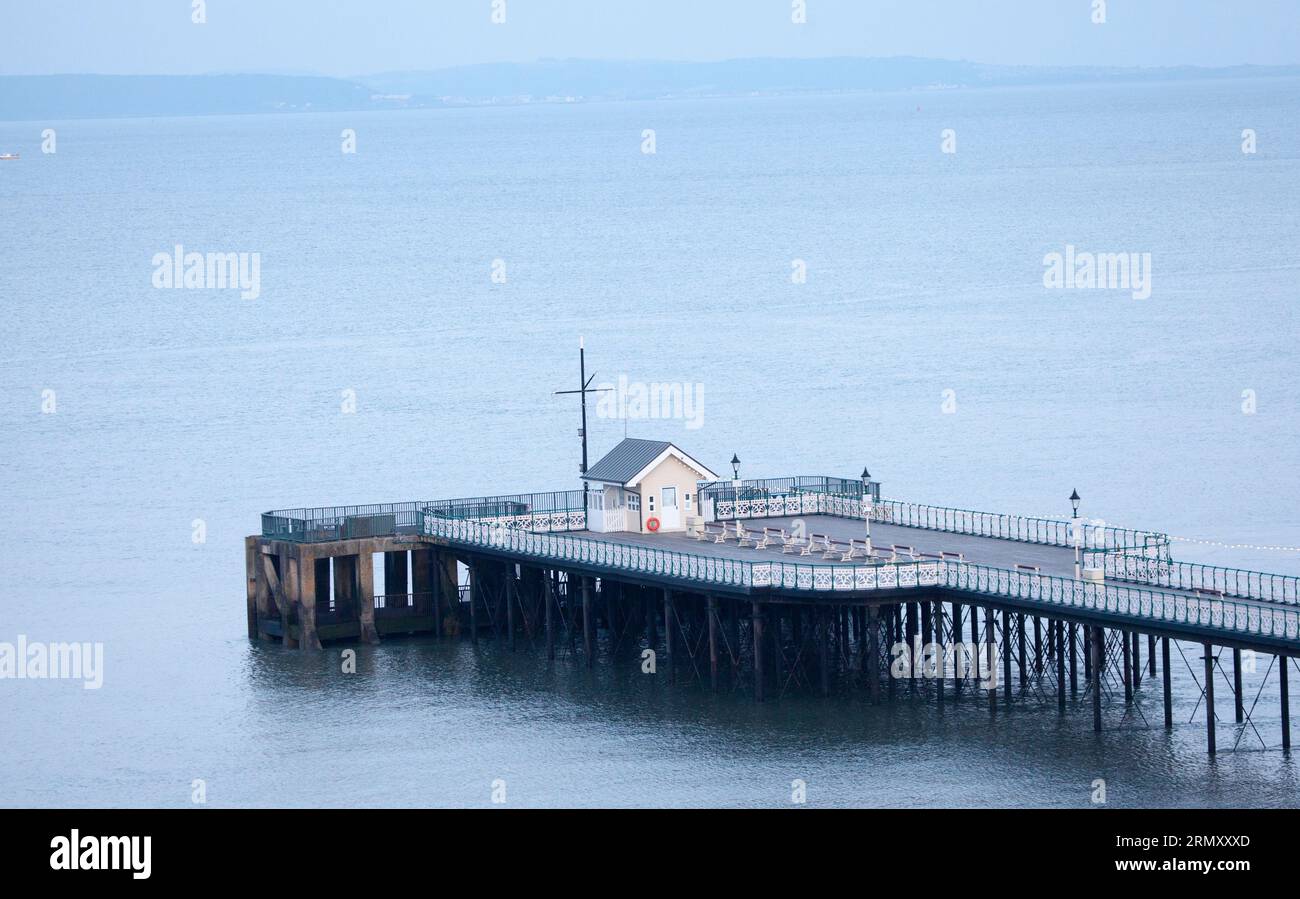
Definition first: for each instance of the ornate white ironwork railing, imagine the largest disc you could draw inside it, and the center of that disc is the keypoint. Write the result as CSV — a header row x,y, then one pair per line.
x,y
1136,567
1137,602
1049,531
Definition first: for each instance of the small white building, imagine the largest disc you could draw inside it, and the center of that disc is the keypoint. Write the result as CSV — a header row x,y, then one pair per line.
x,y
643,486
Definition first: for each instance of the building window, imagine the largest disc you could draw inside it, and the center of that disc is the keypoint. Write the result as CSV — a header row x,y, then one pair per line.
x,y
651,500
688,500
634,502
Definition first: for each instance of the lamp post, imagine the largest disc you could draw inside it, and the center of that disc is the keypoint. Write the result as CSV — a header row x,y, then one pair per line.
x,y
867,505
1078,535
735,483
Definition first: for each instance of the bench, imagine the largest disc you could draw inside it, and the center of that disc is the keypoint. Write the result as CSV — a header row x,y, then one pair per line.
x,y
858,549
770,537
791,542
714,533
1031,569
811,545
744,537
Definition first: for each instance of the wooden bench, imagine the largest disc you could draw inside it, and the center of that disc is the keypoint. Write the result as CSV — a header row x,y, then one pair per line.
x,y
952,557
770,537
1030,569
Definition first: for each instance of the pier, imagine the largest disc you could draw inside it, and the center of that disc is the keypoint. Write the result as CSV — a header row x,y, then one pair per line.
x,y
788,584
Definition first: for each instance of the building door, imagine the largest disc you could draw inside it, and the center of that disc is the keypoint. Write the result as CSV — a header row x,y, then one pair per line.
x,y
670,516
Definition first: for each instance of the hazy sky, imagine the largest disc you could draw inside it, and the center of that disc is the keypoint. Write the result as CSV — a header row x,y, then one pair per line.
x,y
348,37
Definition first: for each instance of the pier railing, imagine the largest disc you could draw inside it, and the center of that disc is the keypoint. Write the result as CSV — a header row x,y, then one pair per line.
x,y
1050,531
1148,603
1137,567
702,569
759,488
560,510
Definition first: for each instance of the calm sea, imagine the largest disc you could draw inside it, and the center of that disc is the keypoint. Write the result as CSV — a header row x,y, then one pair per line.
x,y
922,344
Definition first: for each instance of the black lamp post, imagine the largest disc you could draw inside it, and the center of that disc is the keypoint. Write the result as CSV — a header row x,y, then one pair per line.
x,y
735,467
866,505
1074,503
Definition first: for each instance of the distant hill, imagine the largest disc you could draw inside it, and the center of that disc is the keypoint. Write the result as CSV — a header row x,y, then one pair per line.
x,y
98,96
570,80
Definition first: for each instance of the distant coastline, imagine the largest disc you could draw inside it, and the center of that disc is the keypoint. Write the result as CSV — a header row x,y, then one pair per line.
x,y
74,96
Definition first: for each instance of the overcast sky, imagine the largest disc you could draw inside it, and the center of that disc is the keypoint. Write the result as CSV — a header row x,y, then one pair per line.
x,y
349,37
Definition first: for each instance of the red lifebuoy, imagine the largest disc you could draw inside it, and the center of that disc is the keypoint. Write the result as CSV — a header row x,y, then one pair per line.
x,y
652,523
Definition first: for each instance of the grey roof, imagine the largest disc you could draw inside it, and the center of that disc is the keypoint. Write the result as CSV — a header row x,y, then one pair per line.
x,y
622,463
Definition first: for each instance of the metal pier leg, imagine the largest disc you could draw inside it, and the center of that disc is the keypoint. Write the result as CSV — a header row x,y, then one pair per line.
x,y
1169,695
651,619
824,639
943,655
1006,656
588,625
1209,697
777,657
975,636
911,643
1020,634
1095,653
669,656
893,622
956,638
1236,685
927,634
758,651
1074,661
713,642
1137,660
1060,665
511,592
872,660
1038,647
1128,674
1286,703
437,593
549,599
1151,654
474,590
733,644
991,622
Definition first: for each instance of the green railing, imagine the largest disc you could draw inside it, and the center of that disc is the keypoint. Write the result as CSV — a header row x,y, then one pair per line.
x,y
1145,603
1049,531
556,510
758,488
1135,566
702,569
